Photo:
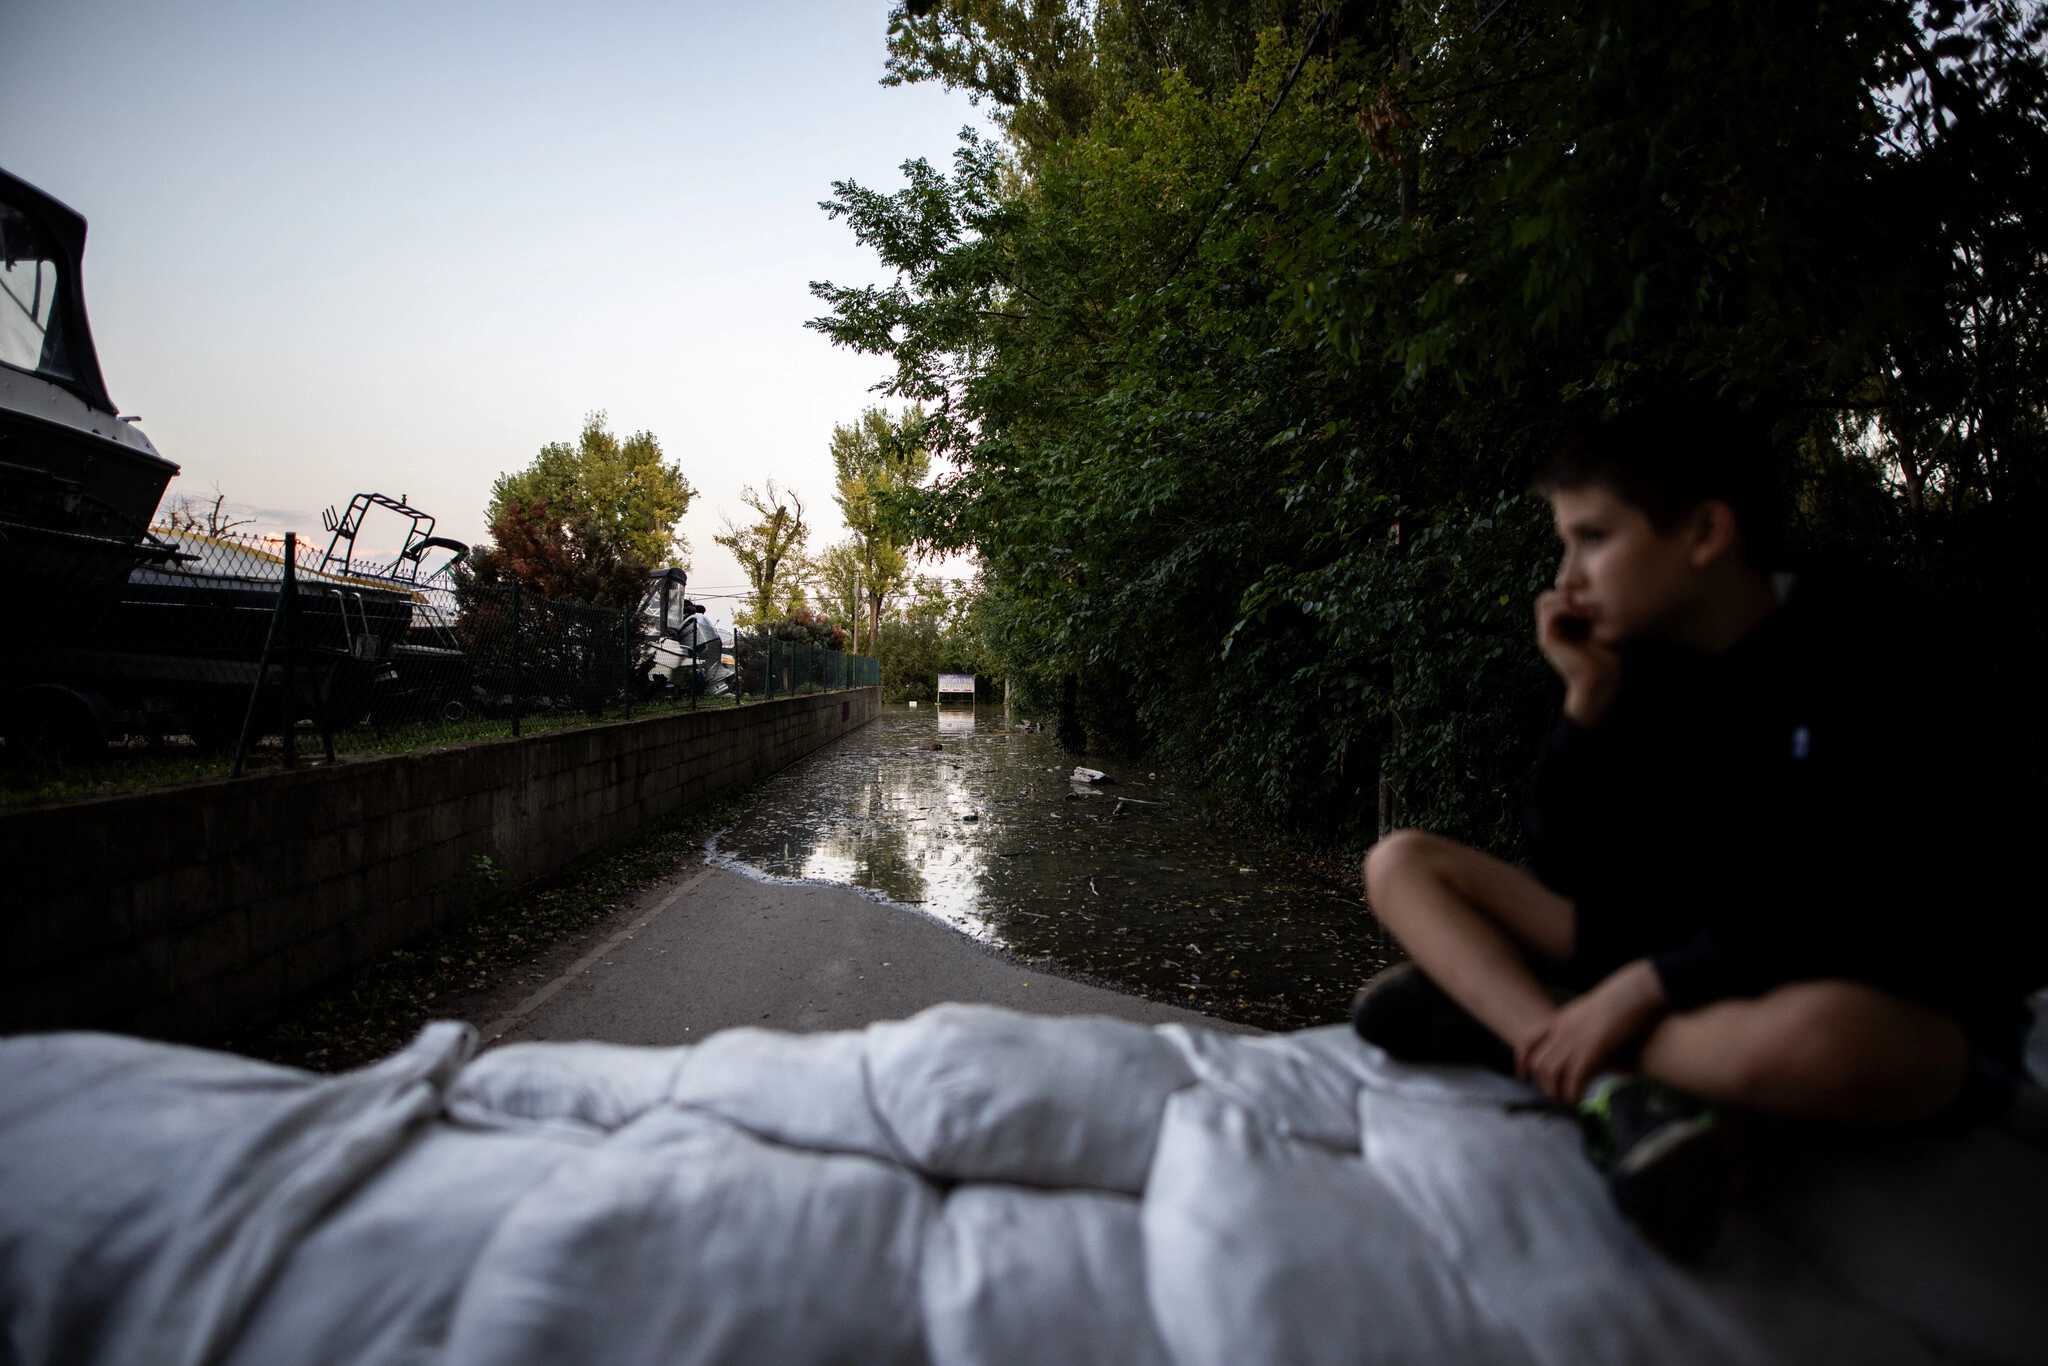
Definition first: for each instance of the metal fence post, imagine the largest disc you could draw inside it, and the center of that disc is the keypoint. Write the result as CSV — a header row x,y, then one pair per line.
x,y
515,657
256,691
290,590
768,679
324,697
626,660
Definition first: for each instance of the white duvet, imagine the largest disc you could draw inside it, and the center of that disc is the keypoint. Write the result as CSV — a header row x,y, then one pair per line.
x,y
967,1186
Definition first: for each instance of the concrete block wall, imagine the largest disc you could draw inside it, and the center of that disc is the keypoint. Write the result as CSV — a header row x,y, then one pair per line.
x,y
181,913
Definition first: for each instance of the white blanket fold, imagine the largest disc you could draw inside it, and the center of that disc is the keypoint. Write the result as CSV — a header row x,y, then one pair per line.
x,y
805,1090
686,1240
377,1281
973,1093
588,1089
1020,1277
968,1187
1265,1249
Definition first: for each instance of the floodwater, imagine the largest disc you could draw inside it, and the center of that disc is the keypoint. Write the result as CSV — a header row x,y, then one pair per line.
x,y
1125,882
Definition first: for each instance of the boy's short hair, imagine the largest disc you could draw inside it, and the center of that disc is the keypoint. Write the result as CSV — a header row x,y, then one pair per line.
x,y
1667,458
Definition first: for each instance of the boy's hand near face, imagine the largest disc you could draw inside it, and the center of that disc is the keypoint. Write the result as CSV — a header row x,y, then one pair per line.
x,y
1591,670
1583,1035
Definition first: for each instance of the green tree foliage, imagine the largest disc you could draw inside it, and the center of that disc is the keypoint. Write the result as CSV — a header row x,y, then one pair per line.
x,y
626,493
586,522
874,458
934,628
555,552
839,581
1241,440
770,549
1049,66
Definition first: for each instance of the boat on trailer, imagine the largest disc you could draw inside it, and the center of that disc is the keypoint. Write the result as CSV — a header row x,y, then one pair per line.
x,y
118,629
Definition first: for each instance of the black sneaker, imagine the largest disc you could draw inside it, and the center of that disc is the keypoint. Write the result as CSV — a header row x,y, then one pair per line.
x,y
1669,1161
1403,1012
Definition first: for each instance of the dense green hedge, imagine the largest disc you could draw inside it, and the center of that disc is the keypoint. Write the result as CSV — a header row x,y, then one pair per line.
x,y
1246,458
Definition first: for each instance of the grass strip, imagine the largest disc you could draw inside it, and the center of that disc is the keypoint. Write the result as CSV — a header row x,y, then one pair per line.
x,y
169,762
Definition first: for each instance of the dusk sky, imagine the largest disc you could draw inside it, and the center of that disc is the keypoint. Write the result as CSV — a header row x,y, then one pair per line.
x,y
401,246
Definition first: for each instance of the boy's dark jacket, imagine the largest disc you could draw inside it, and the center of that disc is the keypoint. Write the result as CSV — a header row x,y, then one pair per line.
x,y
1808,804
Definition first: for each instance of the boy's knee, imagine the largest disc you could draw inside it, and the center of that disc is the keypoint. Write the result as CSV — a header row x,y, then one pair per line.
x,y
1398,853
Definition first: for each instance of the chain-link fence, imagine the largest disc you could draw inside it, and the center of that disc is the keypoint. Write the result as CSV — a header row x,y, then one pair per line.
x,y
220,649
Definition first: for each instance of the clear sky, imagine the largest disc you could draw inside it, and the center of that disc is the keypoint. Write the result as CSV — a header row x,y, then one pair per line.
x,y
399,246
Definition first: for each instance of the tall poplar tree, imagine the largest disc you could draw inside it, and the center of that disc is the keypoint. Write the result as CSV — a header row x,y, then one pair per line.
x,y
875,456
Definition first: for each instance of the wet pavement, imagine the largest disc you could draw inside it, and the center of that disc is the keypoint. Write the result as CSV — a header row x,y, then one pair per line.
x,y
1127,883
716,949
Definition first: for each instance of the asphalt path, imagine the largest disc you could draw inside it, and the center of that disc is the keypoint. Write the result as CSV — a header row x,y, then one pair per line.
x,y
716,949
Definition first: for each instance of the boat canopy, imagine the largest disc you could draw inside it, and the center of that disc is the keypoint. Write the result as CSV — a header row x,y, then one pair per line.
x,y
43,328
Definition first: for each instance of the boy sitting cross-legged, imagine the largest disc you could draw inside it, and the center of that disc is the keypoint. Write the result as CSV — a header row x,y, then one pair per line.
x,y
1725,866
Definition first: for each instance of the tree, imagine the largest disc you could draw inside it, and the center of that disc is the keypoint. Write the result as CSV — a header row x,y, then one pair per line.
x,y
839,577
932,629
1239,382
793,586
557,552
629,496
1032,60
202,516
1051,67
765,546
874,457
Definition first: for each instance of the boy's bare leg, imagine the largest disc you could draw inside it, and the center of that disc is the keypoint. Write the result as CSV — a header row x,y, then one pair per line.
x,y
1468,919
1832,1050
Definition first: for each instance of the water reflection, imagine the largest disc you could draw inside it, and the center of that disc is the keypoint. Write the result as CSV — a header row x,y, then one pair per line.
x,y
978,823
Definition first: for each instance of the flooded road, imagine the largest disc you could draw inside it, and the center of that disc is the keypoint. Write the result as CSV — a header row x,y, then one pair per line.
x,y
1124,882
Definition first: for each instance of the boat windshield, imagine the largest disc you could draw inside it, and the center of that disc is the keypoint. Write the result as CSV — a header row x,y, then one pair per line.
x,y
31,331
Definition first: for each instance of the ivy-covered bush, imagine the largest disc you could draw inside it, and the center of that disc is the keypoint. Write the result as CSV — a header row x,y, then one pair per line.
x,y
1243,347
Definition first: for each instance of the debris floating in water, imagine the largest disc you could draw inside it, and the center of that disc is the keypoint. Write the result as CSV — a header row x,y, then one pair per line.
x,y
1092,775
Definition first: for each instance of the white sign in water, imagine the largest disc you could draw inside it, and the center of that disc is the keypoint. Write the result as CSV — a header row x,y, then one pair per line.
x,y
956,683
